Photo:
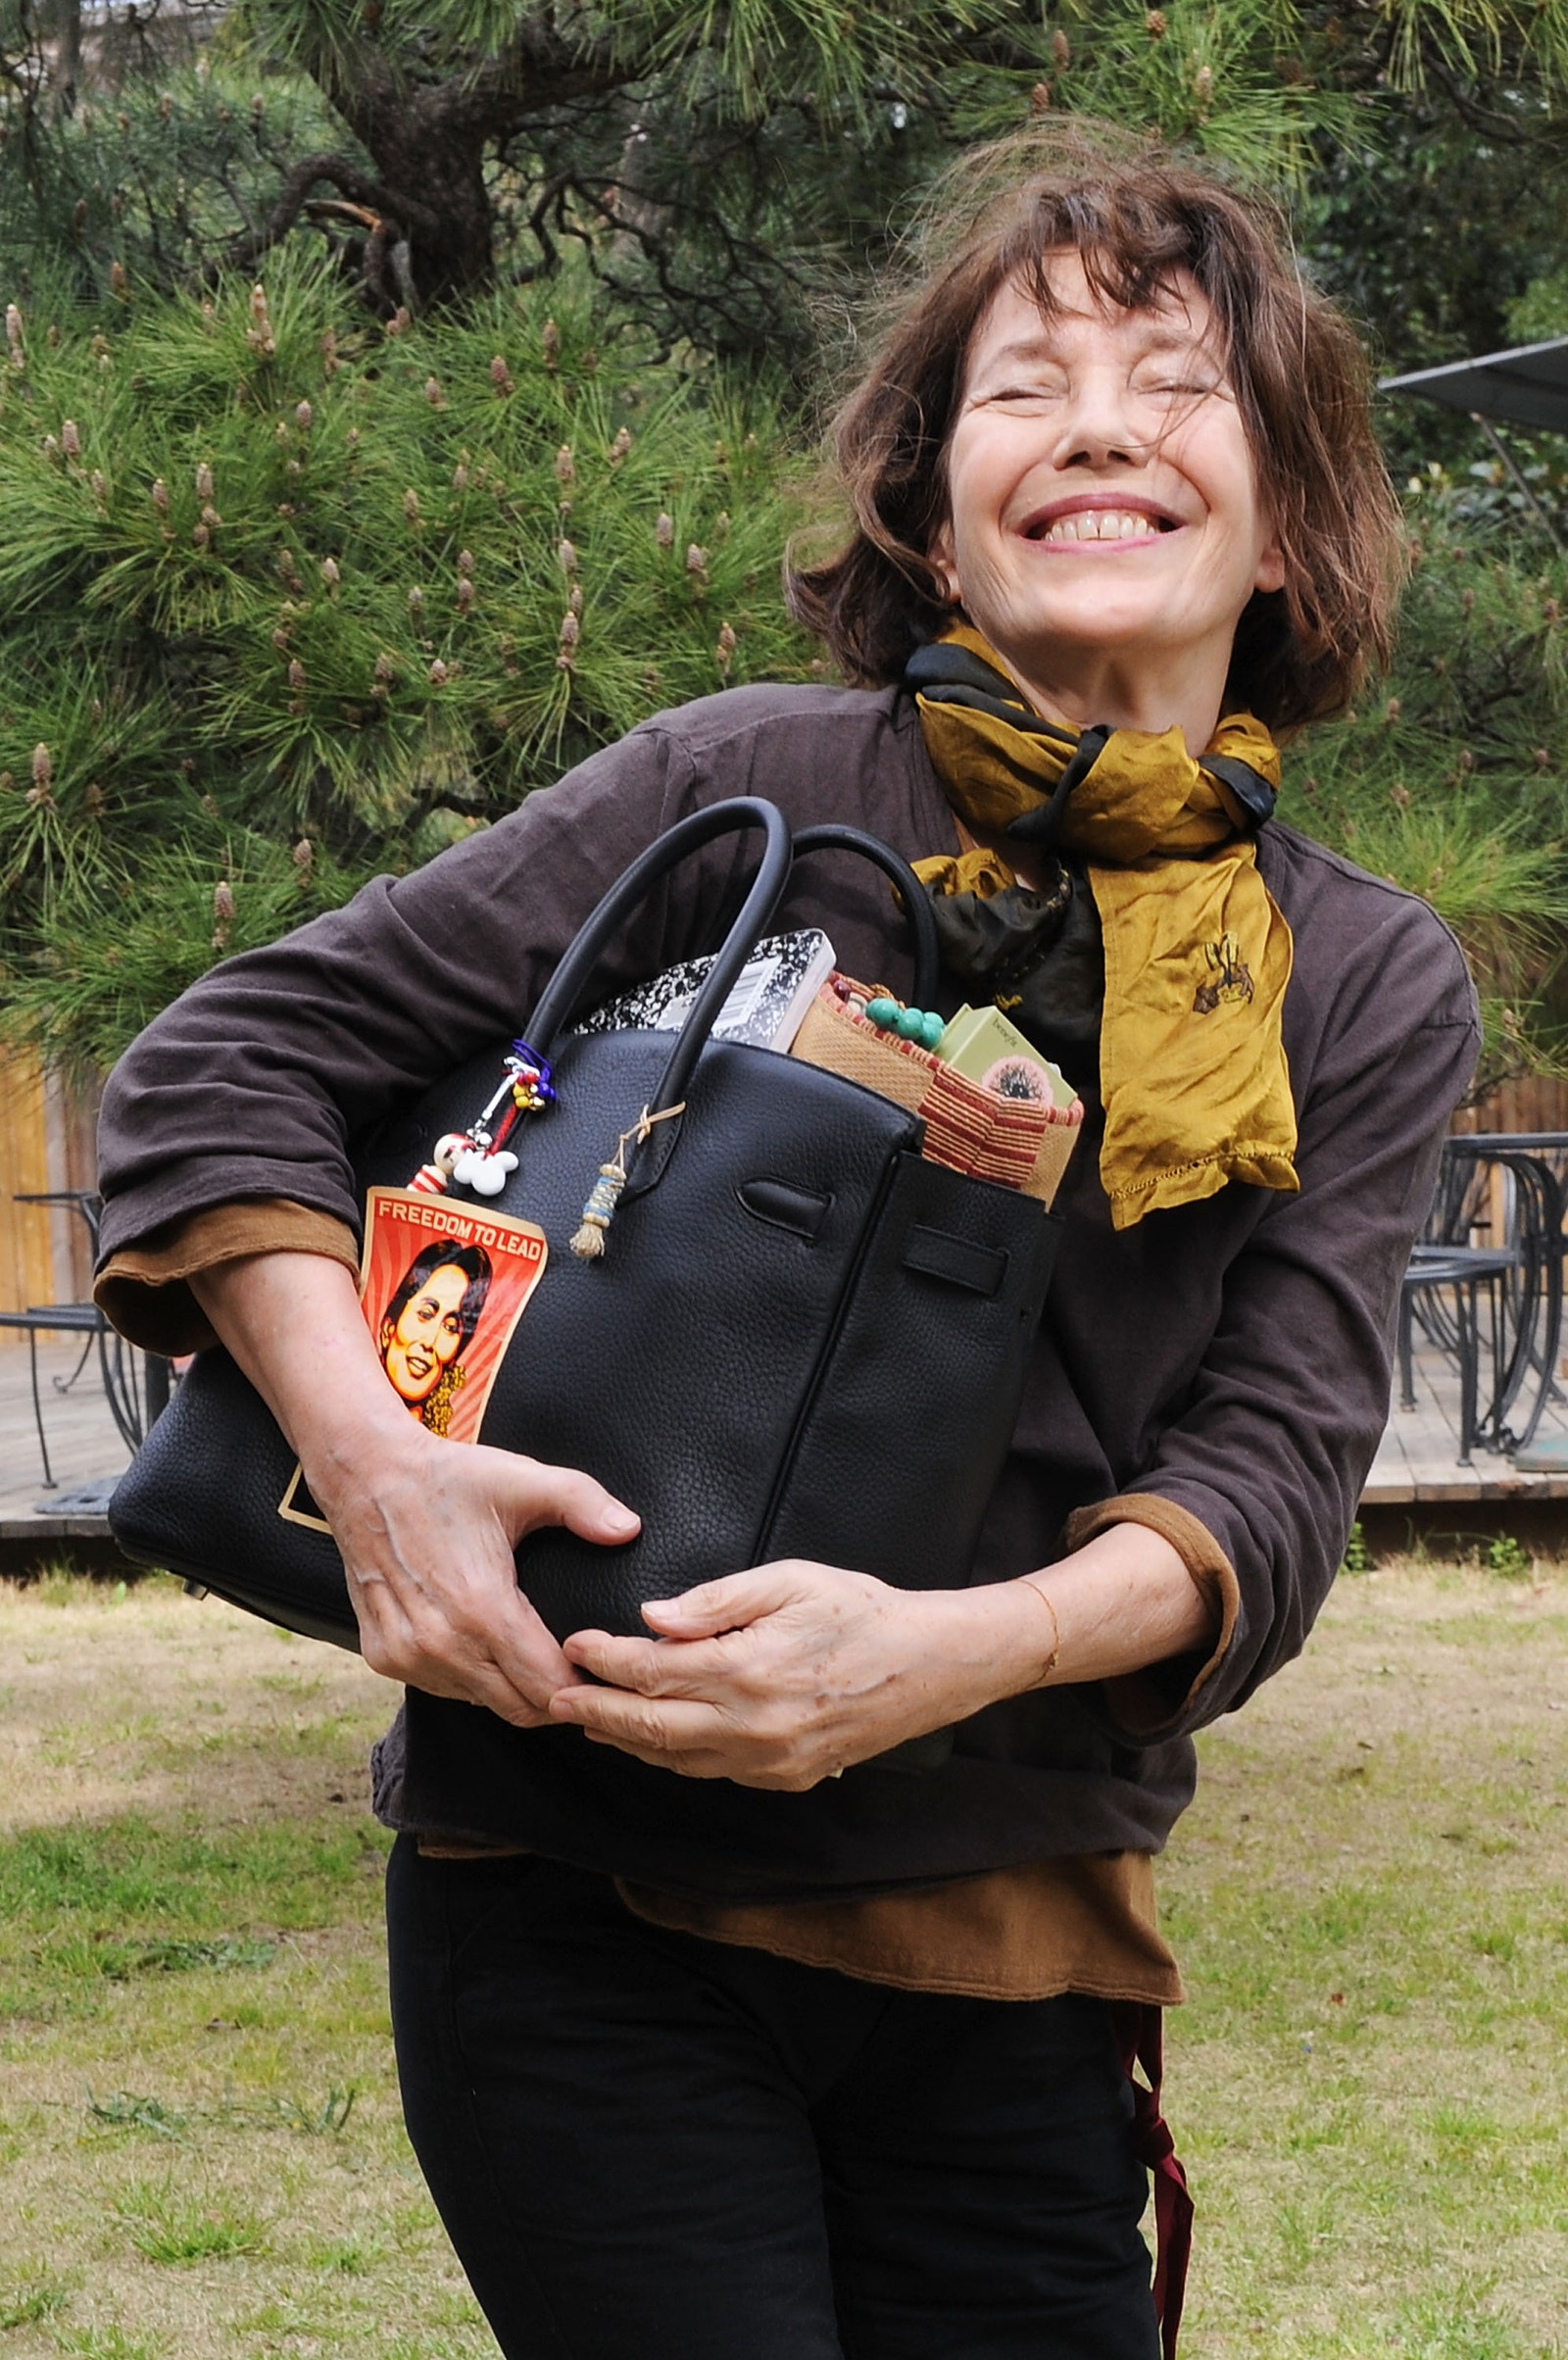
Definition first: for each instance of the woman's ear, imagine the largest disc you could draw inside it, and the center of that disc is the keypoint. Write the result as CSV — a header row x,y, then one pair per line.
x,y
1271,564
940,553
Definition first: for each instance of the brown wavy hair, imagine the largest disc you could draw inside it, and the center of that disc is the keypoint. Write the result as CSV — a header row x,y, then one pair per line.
x,y
1138,216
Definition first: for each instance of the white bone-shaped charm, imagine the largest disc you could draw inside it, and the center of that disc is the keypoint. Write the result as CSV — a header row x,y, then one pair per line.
x,y
485,1174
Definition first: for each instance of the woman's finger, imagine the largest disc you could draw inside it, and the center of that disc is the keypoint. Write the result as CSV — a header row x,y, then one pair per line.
x,y
734,1600
393,1644
467,1632
542,1496
664,1725
708,1763
526,1651
652,1667
694,1764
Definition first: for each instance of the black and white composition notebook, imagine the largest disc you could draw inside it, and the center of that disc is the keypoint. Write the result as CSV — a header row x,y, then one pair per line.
x,y
771,995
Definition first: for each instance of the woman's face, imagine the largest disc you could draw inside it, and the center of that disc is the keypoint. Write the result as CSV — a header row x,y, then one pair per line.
x,y
427,1334
1103,495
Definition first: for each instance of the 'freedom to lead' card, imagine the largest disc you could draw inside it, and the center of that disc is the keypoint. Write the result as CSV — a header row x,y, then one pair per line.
x,y
442,1287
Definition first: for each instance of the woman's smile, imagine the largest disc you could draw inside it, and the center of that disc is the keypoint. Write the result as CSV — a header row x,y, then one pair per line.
x,y
426,1335
1099,521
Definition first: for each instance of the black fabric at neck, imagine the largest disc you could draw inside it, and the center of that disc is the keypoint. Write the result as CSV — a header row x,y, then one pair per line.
x,y
944,674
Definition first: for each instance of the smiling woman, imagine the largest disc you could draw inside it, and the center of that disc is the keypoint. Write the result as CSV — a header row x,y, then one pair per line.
x,y
430,1320
1105,521
1192,291
719,2033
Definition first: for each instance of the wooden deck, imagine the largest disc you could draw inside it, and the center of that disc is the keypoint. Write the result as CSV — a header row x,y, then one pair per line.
x,y
84,1450
1418,1459
1416,1472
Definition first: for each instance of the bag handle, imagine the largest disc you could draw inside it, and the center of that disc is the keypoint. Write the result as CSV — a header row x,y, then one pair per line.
x,y
833,836
573,976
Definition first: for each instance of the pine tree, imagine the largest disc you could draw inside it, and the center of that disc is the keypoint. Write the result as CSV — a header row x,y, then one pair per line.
x,y
288,600
302,582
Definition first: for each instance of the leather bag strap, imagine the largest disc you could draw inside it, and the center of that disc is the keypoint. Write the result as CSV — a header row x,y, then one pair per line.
x,y
573,977
831,836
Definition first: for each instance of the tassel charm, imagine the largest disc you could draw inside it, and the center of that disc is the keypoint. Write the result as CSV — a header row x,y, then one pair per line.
x,y
588,1241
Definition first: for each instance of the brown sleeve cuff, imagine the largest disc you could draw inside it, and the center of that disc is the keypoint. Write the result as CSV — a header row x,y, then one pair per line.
x,y
1153,1703
145,1292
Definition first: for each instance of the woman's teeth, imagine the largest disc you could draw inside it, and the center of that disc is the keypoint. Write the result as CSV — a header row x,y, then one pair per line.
x,y
1101,525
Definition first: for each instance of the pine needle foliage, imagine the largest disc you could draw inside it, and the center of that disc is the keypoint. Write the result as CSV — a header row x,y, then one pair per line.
x,y
1451,780
156,171
288,601
1228,79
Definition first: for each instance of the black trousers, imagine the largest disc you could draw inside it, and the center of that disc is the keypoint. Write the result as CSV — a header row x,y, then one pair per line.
x,y
646,2147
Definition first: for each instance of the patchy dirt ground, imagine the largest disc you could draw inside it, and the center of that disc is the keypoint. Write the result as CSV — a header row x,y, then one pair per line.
x,y
200,2149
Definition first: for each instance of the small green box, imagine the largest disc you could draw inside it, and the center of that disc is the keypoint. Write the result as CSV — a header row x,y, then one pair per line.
x,y
980,1040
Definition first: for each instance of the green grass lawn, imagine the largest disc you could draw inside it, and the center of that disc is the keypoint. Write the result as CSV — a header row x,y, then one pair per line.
x,y
200,2149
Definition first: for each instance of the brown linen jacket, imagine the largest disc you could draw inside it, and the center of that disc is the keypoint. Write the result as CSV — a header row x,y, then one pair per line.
x,y
1222,1370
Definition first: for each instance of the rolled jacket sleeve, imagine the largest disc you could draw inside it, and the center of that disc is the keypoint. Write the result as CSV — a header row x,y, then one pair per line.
x,y
256,1083
145,1291
1271,1447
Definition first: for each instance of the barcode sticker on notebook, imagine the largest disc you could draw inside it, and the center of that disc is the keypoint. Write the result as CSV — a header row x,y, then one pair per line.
x,y
771,995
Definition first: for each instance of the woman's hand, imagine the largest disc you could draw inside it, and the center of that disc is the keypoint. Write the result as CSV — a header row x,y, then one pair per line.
x,y
783,1676
426,1527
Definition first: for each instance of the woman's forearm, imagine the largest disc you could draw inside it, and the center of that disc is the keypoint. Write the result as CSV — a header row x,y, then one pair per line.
x,y
293,1323
1123,1601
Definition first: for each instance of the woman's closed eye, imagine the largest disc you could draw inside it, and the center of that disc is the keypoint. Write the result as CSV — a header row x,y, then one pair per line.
x,y
1014,394
1174,385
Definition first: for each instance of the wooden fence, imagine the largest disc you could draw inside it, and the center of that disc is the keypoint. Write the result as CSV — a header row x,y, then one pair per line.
x,y
1535,1102
46,1142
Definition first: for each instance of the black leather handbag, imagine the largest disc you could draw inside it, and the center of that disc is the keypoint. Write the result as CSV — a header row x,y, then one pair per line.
x,y
802,1339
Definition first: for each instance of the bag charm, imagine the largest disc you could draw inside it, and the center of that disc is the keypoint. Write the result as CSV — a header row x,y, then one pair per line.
x,y
588,1242
478,1159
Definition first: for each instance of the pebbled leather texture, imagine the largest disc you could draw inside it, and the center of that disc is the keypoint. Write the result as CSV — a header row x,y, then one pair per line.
x,y
751,1390
199,1498
803,1340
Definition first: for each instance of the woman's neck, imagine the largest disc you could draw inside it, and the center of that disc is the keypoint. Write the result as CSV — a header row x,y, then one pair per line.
x,y
1105,690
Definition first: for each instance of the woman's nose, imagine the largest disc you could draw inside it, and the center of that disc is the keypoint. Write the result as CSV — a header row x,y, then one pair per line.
x,y
1100,424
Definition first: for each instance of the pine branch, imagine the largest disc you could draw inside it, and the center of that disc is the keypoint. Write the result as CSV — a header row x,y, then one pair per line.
x,y
361,188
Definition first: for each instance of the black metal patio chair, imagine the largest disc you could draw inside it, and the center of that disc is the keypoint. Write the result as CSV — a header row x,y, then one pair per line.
x,y
1496,1303
134,1394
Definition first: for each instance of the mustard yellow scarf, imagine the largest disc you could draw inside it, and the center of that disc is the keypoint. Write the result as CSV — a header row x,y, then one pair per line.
x,y
1193,1071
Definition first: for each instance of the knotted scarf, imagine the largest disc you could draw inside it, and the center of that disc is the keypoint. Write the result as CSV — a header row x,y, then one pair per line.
x,y
1193,1073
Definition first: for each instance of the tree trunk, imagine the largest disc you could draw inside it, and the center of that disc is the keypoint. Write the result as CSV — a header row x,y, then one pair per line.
x,y
67,75
434,163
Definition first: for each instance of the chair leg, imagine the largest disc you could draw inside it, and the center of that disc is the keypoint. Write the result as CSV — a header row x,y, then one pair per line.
x,y
63,1384
119,1388
1406,1355
1464,1297
49,1483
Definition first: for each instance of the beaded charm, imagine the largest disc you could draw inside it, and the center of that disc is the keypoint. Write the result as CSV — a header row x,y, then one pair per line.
x,y
431,1178
922,1026
588,1242
478,1158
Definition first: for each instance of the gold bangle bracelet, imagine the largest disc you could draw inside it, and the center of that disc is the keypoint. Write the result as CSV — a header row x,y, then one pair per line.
x,y
1052,1661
